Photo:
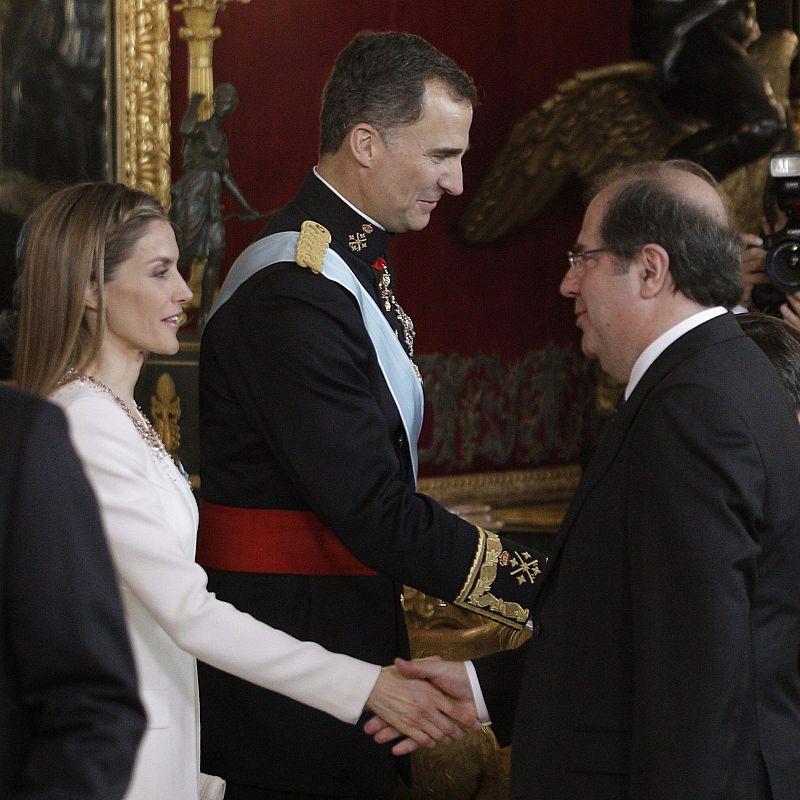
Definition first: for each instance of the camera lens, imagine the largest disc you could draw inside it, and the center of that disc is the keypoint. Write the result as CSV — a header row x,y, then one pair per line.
x,y
783,265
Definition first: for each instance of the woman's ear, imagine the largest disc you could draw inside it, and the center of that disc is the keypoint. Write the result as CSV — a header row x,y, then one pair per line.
x,y
90,296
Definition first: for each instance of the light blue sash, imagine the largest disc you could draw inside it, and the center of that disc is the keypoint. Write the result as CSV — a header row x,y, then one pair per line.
x,y
393,360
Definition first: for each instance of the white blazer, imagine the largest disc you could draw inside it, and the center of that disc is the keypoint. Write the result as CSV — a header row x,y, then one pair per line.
x,y
150,517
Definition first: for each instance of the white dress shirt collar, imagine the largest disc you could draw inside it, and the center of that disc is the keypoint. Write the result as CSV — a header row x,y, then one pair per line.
x,y
659,345
345,200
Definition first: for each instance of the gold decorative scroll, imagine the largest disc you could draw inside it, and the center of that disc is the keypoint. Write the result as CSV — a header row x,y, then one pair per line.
x,y
141,59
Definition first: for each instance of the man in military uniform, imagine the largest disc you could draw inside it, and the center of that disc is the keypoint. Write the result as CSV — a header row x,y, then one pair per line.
x,y
699,48
310,412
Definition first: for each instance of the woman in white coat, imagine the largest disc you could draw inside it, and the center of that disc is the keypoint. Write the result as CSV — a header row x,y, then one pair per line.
x,y
101,289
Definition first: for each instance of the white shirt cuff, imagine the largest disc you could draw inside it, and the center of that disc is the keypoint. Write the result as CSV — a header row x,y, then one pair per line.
x,y
480,703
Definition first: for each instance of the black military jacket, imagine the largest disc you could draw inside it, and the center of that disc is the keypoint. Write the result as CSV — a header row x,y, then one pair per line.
x,y
296,414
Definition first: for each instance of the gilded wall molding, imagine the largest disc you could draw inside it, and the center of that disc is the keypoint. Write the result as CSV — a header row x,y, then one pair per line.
x,y
142,114
504,488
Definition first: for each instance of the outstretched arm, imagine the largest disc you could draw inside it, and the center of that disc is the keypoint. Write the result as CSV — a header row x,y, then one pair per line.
x,y
230,184
315,343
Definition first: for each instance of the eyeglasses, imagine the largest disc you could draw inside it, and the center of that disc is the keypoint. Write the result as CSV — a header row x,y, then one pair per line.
x,y
575,258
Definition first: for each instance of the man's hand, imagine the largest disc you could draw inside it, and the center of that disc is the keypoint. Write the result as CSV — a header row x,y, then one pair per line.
x,y
439,711
411,707
753,257
449,676
790,310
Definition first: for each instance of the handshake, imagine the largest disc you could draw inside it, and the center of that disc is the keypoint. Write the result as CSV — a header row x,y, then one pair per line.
x,y
422,703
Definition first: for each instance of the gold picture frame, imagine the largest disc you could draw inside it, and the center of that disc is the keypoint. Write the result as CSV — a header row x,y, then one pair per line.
x,y
139,96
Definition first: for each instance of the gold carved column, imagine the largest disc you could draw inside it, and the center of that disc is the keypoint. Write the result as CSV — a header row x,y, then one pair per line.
x,y
200,33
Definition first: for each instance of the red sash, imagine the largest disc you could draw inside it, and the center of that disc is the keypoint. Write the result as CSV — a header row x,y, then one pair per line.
x,y
266,540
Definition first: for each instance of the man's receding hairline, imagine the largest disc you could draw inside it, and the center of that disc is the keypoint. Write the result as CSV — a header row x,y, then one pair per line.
x,y
677,183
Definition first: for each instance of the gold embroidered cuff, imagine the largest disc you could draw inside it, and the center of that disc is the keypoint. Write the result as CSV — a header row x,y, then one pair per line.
x,y
496,571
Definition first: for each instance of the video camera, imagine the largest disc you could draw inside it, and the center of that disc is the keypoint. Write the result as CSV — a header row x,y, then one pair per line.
x,y
782,193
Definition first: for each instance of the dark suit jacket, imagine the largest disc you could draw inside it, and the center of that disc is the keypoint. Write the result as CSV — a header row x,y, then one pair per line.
x,y
70,717
665,663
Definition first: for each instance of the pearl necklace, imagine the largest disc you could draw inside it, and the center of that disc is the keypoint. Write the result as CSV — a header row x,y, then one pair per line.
x,y
139,420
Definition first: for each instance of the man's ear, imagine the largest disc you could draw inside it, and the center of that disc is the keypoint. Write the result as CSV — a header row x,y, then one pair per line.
x,y
365,143
653,266
90,296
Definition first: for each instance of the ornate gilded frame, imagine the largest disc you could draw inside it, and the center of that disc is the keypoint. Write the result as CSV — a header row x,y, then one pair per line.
x,y
526,500
140,100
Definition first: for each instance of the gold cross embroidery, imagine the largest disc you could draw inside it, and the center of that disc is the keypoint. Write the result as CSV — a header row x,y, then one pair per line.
x,y
357,242
525,565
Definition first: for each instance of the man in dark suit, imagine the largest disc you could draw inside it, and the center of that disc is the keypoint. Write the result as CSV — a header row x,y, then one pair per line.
x,y
664,662
70,716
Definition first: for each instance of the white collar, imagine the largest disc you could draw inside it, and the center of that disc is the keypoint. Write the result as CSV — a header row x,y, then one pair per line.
x,y
345,200
659,345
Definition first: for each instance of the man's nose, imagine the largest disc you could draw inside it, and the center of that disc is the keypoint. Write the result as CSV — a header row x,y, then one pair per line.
x,y
570,283
452,181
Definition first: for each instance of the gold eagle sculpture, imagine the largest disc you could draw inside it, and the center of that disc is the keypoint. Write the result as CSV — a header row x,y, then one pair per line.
x,y
600,119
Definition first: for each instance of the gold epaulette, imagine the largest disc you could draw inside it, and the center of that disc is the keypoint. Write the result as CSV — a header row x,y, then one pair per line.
x,y
495,573
312,245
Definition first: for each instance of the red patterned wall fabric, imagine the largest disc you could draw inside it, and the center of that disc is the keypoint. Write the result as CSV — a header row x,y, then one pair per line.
x,y
491,313
488,412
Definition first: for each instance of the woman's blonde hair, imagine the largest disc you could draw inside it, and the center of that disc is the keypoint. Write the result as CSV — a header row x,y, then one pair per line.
x,y
75,239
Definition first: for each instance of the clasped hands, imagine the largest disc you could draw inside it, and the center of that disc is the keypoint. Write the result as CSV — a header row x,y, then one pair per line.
x,y
422,703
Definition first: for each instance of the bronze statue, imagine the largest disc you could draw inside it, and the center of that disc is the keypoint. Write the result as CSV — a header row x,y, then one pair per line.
x,y
703,67
196,209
